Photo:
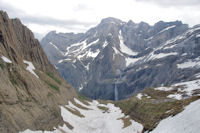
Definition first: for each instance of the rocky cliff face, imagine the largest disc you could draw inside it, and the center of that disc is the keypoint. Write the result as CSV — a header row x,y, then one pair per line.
x,y
126,57
175,60
30,87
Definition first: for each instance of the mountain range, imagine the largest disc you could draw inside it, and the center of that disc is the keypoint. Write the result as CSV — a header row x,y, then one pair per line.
x,y
116,59
34,98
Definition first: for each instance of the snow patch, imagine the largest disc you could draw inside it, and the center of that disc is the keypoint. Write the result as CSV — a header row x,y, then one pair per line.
x,y
170,27
161,55
164,88
105,44
116,51
168,111
150,38
80,88
93,54
198,36
112,22
184,54
5,59
189,64
130,61
88,66
123,48
56,67
189,87
147,96
30,67
197,75
68,59
60,61
170,47
79,49
74,61
175,96
109,34
56,48
89,53
157,65
139,96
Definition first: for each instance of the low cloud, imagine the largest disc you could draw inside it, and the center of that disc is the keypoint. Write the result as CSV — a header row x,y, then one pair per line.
x,y
173,2
44,21
82,7
41,20
13,12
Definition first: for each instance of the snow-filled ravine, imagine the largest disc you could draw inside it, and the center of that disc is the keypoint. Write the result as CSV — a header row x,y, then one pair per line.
x,y
93,118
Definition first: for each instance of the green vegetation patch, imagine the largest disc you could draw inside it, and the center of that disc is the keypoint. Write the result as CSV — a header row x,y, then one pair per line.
x,y
56,114
1,66
157,94
53,86
13,79
52,76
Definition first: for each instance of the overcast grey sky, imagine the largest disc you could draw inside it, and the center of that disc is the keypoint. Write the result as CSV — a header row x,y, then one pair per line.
x,y
42,16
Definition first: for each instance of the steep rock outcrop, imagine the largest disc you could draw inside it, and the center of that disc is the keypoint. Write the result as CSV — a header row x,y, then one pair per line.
x,y
31,89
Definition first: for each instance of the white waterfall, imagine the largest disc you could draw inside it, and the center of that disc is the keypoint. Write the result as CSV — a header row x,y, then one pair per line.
x,y
116,92
116,89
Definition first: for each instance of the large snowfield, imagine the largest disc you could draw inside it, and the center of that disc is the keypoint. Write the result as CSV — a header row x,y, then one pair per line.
x,y
94,120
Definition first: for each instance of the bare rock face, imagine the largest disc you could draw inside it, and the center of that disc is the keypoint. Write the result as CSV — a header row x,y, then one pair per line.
x,y
29,97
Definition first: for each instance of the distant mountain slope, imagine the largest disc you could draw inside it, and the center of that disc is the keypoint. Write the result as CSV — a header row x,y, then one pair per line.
x,y
31,89
124,57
